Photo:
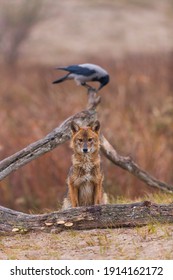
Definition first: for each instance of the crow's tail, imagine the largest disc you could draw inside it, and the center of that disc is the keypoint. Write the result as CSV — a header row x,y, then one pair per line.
x,y
62,79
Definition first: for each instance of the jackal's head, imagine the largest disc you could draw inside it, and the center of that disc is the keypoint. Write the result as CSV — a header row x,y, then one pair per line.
x,y
85,139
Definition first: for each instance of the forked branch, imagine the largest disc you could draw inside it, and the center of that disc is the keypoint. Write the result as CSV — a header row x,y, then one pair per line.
x,y
63,133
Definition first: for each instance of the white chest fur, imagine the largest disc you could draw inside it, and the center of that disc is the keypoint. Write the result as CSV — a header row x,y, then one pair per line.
x,y
86,194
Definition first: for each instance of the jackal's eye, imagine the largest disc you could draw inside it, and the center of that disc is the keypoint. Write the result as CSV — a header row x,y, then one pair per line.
x,y
80,140
90,139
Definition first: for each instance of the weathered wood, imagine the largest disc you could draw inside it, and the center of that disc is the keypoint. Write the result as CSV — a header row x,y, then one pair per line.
x,y
99,216
129,165
58,136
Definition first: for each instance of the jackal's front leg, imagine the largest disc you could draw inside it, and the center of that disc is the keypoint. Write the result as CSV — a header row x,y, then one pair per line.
x,y
73,193
98,192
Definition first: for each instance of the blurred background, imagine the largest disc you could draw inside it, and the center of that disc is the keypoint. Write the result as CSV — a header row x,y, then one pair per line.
x,y
133,41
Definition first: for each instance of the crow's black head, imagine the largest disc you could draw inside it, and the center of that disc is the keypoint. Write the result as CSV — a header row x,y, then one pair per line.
x,y
103,81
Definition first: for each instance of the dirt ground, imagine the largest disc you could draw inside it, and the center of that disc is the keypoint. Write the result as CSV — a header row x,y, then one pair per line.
x,y
148,242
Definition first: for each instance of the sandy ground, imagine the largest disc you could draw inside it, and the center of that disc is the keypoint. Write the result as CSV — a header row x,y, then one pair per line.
x,y
149,242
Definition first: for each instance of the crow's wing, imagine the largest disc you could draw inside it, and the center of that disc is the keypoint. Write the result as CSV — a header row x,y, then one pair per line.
x,y
76,69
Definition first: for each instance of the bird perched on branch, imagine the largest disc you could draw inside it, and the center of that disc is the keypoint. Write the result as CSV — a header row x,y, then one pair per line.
x,y
83,73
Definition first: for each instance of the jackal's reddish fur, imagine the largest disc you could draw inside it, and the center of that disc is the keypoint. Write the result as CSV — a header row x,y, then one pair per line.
x,y
85,178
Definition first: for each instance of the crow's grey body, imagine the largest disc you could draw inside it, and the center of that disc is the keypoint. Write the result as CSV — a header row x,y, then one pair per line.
x,y
83,73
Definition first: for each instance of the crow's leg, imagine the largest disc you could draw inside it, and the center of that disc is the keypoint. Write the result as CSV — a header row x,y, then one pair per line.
x,y
88,86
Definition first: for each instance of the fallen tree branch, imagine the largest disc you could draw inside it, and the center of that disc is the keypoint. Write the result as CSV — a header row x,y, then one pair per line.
x,y
98,216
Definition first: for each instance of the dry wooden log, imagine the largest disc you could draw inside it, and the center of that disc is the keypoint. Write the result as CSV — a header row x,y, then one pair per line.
x,y
98,216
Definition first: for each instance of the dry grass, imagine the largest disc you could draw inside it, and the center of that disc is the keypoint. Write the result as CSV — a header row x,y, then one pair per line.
x,y
149,242
136,115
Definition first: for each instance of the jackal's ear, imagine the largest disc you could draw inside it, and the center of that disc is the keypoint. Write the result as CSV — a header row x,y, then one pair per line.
x,y
74,127
95,126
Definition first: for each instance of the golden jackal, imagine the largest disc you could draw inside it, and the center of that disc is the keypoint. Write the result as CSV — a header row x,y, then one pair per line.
x,y
85,177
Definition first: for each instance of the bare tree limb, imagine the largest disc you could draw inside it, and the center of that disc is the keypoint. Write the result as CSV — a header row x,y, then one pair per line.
x,y
98,216
58,136
128,164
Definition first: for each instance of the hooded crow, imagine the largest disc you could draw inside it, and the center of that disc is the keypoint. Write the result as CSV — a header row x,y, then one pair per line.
x,y
83,73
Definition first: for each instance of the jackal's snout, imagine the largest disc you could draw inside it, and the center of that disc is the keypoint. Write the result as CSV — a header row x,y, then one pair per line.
x,y
85,148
